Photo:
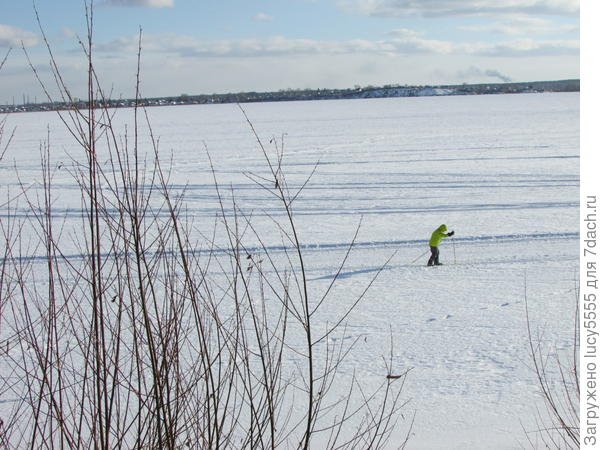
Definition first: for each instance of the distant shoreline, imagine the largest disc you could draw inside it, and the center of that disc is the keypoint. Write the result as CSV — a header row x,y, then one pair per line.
x,y
387,91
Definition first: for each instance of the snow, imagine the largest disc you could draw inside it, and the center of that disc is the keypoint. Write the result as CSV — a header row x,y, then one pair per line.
x,y
502,171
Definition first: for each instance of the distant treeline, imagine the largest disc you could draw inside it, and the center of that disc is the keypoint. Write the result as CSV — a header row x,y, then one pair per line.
x,y
315,94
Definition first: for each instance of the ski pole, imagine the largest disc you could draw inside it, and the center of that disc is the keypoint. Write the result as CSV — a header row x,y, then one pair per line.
x,y
419,257
454,250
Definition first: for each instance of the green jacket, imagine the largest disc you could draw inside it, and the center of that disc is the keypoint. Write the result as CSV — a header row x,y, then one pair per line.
x,y
438,235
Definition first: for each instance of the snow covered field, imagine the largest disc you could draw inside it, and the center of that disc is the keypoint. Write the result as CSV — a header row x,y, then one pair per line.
x,y
501,171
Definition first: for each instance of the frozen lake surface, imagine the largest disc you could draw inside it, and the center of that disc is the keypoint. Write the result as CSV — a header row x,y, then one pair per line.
x,y
502,171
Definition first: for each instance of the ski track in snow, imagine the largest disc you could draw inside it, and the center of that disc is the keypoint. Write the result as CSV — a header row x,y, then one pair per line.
x,y
391,244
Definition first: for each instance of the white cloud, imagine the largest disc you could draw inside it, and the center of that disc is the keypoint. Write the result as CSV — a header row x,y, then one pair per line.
x,y
523,47
273,46
262,17
518,26
400,42
142,3
445,8
68,32
420,45
404,33
13,37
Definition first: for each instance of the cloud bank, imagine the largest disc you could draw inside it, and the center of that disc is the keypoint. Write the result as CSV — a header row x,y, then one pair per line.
x,y
400,42
450,8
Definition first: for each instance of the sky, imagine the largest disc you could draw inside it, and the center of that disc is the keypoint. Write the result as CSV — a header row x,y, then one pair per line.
x,y
217,46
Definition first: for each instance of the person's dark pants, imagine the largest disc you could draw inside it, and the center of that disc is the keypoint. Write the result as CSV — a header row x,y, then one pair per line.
x,y
434,259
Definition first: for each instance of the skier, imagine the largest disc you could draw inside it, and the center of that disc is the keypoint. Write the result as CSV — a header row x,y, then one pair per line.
x,y
436,239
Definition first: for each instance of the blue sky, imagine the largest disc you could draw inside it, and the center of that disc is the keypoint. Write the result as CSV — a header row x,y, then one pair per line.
x,y
206,46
